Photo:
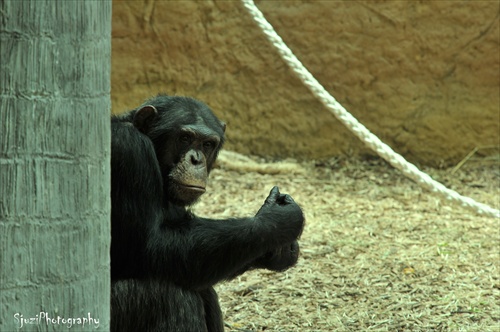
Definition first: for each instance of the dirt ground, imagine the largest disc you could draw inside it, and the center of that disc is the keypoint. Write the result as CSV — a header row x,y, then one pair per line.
x,y
378,253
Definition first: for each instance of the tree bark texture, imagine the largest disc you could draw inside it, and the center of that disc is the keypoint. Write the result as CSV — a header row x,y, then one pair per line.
x,y
54,165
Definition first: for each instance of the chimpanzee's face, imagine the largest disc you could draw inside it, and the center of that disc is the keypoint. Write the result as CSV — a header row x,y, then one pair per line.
x,y
187,138
187,159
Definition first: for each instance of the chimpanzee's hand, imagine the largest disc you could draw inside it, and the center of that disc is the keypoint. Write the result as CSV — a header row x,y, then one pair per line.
x,y
279,259
282,216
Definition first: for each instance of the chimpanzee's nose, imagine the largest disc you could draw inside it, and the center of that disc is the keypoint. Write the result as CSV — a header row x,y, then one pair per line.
x,y
196,157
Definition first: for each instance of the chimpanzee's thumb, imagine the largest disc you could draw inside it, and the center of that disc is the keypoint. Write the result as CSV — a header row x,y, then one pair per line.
x,y
273,195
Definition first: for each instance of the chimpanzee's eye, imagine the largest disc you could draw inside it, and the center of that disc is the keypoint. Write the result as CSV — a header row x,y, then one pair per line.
x,y
209,145
185,138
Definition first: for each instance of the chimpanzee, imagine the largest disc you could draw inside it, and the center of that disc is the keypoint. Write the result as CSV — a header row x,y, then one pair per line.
x,y
164,259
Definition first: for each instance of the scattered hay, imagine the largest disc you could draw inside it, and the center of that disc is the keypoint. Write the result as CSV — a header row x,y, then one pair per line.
x,y
377,254
234,161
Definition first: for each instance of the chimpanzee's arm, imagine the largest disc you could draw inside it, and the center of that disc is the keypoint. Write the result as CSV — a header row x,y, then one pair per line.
x,y
197,252
136,197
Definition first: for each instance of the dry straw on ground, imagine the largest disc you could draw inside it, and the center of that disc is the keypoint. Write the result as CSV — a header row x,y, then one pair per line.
x,y
377,254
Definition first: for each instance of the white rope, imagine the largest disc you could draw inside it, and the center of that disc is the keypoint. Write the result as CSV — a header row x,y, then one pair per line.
x,y
382,149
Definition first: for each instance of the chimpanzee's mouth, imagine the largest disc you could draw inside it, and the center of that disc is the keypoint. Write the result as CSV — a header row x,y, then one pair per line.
x,y
190,187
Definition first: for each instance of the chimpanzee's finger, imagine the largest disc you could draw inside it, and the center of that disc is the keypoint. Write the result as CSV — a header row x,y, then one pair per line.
x,y
285,199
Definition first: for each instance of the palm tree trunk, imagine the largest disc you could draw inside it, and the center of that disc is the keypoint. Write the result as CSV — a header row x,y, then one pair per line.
x,y
54,164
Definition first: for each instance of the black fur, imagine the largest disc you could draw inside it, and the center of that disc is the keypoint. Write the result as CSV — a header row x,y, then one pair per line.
x,y
164,259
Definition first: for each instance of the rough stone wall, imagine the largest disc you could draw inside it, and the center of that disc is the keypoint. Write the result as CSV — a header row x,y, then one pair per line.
x,y
423,76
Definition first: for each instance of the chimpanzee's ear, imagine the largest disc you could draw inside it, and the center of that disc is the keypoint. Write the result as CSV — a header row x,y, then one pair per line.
x,y
223,124
144,117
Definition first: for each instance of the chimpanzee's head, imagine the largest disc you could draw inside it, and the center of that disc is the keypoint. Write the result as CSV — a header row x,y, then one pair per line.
x,y
187,138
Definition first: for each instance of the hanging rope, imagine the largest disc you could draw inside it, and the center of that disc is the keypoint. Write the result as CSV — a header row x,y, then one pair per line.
x,y
372,141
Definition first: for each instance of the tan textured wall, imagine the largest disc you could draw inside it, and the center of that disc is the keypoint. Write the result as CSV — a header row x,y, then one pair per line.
x,y
423,76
